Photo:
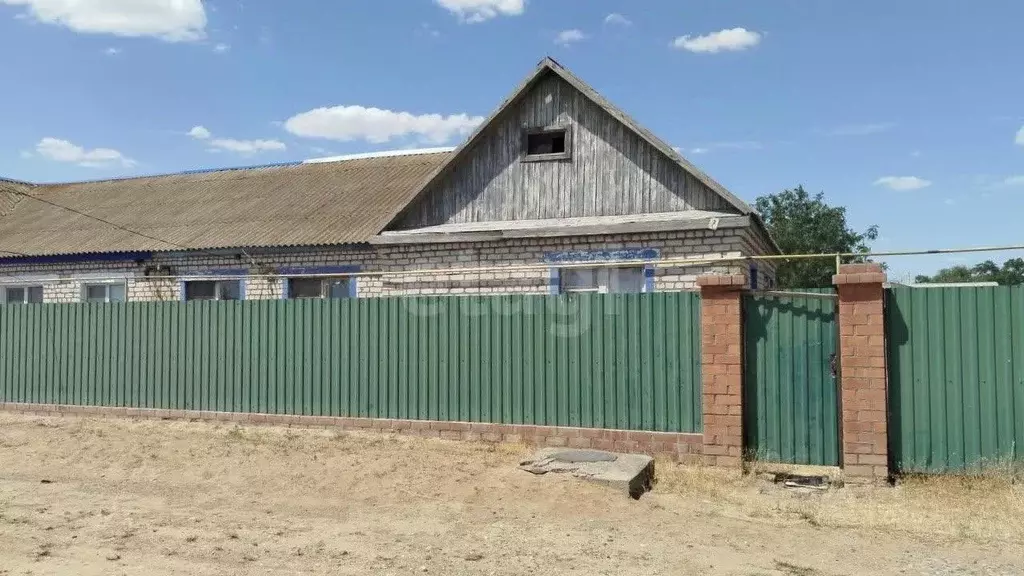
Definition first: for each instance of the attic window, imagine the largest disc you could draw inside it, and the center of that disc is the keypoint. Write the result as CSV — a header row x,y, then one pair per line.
x,y
547,144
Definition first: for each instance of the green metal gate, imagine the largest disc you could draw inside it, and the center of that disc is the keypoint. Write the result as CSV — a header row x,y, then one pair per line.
x,y
789,383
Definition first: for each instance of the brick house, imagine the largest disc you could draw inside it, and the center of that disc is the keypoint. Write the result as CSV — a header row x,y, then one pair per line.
x,y
556,175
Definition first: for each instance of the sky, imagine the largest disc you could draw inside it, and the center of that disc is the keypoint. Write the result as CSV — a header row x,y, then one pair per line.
x,y
909,113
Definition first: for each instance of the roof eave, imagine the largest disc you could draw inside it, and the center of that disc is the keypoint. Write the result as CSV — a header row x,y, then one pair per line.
x,y
557,229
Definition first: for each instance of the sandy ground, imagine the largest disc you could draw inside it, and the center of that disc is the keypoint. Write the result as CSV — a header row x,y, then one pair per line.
x,y
85,496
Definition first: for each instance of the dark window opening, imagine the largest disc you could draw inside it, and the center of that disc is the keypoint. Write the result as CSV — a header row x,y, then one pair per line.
x,y
319,287
23,294
213,290
548,142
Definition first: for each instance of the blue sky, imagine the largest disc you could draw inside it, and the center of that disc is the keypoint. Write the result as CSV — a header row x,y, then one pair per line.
x,y
909,113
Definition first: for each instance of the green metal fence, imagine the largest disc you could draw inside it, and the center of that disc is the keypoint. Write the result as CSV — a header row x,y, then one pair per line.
x,y
611,361
956,377
790,400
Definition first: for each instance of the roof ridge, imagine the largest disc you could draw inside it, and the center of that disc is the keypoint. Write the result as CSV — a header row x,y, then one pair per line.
x,y
166,174
292,164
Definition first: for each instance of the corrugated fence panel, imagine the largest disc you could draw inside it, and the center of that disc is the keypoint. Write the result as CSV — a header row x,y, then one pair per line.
x,y
590,360
956,377
790,397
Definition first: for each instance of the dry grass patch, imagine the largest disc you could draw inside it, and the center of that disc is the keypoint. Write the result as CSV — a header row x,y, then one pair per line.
x,y
982,508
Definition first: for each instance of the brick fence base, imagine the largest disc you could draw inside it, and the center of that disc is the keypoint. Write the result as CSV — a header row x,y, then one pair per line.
x,y
679,446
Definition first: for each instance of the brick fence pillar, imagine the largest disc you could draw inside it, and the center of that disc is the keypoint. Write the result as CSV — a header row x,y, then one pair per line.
x,y
722,368
863,406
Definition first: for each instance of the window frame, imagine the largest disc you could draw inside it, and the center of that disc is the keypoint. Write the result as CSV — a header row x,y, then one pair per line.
x,y
554,156
324,287
324,273
217,275
217,290
86,284
605,287
642,257
26,287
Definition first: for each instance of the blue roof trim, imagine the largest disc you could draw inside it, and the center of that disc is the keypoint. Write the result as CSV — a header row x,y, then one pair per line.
x,y
208,170
301,270
216,272
602,255
72,258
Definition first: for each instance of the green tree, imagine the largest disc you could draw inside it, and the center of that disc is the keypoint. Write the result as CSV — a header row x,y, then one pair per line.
x,y
805,224
1011,273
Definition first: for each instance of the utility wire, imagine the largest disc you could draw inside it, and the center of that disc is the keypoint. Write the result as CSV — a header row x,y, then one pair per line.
x,y
124,228
107,222
682,262
668,262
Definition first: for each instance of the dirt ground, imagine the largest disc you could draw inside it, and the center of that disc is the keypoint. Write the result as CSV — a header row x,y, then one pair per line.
x,y
89,496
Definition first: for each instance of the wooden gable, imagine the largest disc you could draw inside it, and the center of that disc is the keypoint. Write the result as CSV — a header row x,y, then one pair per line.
x,y
611,169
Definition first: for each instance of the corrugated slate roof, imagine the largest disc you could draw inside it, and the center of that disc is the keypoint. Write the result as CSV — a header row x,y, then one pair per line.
x,y
342,202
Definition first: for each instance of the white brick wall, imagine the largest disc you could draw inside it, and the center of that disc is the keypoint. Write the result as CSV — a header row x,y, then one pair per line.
x,y
63,282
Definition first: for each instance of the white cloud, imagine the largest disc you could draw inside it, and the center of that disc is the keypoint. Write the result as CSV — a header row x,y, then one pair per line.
x,y
1020,136
170,20
474,11
246,146
345,123
567,37
221,48
617,19
699,150
862,129
731,40
199,132
234,145
64,151
112,51
903,183
1013,181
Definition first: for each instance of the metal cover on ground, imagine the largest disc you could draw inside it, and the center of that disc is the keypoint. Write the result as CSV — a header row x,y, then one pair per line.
x,y
632,472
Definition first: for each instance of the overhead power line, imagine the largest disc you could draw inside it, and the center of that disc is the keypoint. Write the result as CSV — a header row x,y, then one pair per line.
x,y
681,262
123,228
668,262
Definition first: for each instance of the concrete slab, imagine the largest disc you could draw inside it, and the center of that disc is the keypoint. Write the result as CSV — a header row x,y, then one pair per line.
x,y
633,473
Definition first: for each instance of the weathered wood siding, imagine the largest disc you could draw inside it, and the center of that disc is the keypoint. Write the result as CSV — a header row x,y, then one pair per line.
x,y
612,170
